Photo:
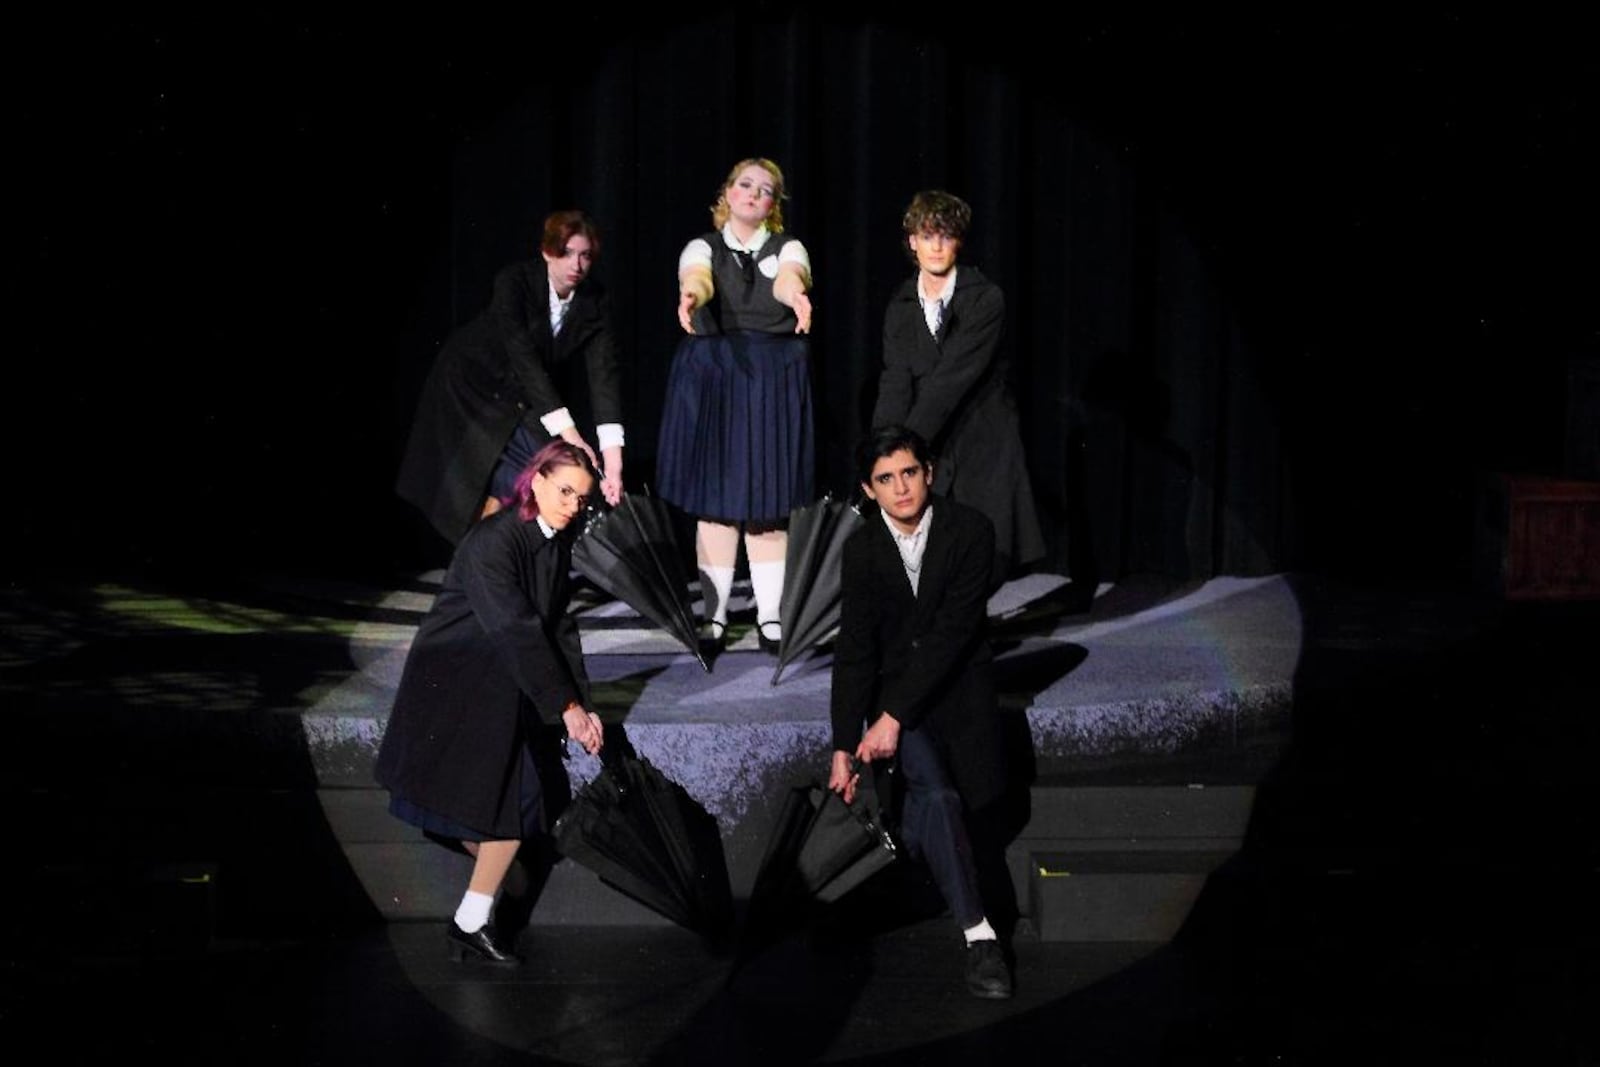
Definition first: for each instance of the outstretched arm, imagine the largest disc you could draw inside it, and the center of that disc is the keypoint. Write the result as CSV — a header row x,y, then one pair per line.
x,y
695,287
790,288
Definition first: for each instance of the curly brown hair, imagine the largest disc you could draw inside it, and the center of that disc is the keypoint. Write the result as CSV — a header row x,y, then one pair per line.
x,y
936,211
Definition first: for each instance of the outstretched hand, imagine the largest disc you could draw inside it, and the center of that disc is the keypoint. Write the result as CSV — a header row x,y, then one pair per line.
x,y
802,313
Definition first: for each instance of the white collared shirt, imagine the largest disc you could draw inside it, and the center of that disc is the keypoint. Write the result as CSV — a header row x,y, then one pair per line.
x,y
544,527
558,309
911,545
934,308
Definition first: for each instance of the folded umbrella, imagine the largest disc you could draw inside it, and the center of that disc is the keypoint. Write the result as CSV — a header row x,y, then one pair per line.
x,y
631,552
645,836
820,849
812,575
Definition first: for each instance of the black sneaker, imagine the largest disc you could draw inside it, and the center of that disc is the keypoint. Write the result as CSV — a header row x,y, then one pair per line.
x,y
988,976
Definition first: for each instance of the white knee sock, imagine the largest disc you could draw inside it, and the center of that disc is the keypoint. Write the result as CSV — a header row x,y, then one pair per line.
x,y
716,553
716,587
473,911
766,582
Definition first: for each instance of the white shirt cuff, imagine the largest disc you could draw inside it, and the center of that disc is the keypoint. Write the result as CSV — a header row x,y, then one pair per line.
x,y
610,435
556,421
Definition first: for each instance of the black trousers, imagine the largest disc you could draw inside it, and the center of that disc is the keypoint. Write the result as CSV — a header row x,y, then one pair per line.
x,y
933,827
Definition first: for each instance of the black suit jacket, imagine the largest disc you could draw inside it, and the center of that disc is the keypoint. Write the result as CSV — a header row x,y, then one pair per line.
x,y
924,658
501,368
955,391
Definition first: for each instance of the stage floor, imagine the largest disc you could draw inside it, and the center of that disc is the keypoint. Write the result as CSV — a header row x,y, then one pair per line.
x,y
1417,885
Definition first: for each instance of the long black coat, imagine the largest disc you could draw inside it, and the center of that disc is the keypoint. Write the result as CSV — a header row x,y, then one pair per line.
x,y
502,368
955,392
923,657
497,646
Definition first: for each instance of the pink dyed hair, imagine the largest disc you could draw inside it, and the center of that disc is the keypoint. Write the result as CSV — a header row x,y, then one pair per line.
x,y
558,453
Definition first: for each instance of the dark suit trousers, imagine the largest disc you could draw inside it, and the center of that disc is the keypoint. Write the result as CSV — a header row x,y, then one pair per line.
x,y
933,827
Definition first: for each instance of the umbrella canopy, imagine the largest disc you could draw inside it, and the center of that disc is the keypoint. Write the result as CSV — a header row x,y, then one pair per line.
x,y
812,575
644,835
631,551
820,849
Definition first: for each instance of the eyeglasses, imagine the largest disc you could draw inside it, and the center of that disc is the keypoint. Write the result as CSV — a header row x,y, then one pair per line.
x,y
569,493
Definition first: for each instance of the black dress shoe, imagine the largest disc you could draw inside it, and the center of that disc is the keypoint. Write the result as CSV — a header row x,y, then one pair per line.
x,y
769,645
713,639
988,976
480,945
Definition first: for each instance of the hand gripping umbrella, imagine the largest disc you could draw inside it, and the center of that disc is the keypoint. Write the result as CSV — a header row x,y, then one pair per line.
x,y
644,835
812,578
632,553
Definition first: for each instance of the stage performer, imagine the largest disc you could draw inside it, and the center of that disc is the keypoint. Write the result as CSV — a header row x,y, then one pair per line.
x,y
912,664
736,445
945,375
539,363
493,678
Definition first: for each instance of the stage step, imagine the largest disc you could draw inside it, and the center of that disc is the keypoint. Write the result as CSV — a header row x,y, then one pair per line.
x,y
1122,863
1094,863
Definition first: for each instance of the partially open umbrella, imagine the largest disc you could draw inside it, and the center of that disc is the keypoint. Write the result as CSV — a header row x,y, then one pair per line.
x,y
812,580
820,849
644,835
631,551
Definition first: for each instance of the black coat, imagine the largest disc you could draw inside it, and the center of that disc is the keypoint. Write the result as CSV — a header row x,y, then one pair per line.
x,y
495,656
955,392
923,657
502,368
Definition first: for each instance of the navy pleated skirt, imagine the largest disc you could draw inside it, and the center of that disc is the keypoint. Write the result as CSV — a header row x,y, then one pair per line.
x,y
737,439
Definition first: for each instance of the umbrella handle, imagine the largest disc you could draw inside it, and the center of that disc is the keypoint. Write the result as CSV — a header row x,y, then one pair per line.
x,y
614,756
882,821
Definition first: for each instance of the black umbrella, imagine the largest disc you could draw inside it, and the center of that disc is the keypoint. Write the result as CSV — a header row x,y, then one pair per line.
x,y
644,835
820,849
812,580
631,551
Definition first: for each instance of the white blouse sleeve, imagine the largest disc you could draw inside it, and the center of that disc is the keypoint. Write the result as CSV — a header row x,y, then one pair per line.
x,y
697,253
795,252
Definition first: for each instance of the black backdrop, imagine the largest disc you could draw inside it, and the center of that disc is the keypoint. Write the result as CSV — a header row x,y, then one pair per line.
x,y
1280,291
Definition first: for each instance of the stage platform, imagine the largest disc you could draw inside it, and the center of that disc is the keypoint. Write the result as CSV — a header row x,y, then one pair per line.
x,y
1276,817
1141,716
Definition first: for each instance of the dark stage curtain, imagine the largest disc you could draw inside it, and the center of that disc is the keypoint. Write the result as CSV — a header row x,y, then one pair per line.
x,y
1280,290
1152,447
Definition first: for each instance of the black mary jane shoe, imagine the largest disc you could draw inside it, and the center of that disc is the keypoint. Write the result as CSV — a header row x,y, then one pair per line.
x,y
480,945
769,645
714,637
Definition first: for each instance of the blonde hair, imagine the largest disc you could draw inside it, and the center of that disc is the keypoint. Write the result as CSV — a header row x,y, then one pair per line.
x,y
720,210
